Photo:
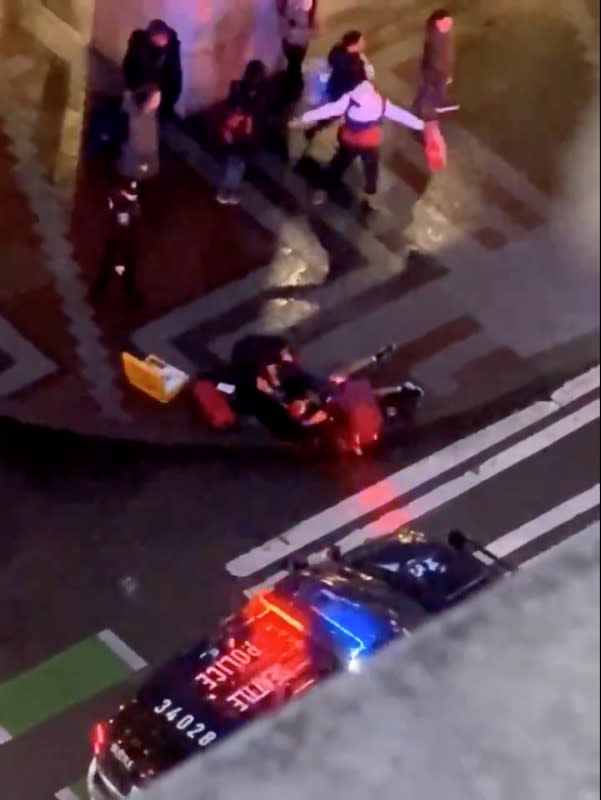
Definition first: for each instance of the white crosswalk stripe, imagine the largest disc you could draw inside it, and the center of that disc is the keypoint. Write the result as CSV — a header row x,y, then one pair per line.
x,y
546,522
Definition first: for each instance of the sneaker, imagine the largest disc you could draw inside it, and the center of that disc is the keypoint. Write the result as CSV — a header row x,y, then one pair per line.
x,y
223,198
412,389
319,198
233,200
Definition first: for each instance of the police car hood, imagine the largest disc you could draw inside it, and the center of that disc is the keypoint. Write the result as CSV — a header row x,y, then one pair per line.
x,y
168,720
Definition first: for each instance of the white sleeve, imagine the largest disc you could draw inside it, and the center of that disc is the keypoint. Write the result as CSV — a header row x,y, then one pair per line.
x,y
370,72
327,111
403,117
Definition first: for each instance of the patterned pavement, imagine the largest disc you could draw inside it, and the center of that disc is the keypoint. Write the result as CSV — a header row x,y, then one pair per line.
x,y
469,271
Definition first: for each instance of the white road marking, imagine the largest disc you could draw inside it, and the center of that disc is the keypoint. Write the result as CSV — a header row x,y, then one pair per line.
x,y
66,794
591,530
4,735
406,480
548,521
122,650
469,480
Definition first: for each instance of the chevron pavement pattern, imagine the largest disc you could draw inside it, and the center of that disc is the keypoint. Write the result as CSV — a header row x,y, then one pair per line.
x,y
51,211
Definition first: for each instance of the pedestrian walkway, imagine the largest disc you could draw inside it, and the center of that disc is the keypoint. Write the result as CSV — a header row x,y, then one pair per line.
x,y
464,270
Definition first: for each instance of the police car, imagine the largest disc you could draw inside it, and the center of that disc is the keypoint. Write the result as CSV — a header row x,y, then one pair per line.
x,y
319,620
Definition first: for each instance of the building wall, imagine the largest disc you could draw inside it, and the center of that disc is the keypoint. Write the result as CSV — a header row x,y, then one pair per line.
x,y
218,36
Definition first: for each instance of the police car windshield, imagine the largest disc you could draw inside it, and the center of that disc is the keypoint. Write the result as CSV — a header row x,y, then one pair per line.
x,y
436,574
347,617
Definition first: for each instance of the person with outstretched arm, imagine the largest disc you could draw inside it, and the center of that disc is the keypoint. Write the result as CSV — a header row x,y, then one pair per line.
x,y
363,111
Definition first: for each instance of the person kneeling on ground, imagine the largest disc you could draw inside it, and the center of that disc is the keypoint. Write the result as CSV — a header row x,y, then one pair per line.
x,y
240,130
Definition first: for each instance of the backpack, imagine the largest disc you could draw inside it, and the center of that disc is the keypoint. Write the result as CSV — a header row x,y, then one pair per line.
x,y
362,136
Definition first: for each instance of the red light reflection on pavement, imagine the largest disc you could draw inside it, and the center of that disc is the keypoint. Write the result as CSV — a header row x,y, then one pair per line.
x,y
388,522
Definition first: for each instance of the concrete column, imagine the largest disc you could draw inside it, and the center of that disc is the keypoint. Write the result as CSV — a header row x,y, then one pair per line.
x,y
218,37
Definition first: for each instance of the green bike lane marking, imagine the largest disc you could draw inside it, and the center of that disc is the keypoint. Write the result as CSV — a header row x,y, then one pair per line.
x,y
64,680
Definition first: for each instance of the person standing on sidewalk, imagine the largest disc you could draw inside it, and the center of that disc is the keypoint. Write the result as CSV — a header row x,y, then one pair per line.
x,y
139,159
153,57
347,59
119,258
299,26
348,68
436,68
360,136
240,132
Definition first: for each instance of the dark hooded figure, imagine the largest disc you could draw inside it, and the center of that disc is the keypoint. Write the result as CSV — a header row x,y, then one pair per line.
x,y
348,65
153,58
436,68
119,257
241,131
348,68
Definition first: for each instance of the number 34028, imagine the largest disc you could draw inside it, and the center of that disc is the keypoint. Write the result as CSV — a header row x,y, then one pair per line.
x,y
186,723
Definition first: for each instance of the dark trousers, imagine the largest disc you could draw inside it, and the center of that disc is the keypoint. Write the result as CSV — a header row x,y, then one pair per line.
x,y
431,96
295,55
119,252
344,157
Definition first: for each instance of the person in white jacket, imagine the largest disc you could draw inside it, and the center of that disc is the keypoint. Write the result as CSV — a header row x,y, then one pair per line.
x,y
360,135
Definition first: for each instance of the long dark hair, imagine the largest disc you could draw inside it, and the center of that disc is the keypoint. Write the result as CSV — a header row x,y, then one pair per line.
x,y
350,38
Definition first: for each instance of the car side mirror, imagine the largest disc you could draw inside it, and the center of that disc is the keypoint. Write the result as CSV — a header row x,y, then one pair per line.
x,y
335,553
457,540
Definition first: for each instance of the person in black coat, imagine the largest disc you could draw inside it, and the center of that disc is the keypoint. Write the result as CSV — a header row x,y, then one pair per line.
x,y
119,258
436,68
348,68
153,58
242,128
348,65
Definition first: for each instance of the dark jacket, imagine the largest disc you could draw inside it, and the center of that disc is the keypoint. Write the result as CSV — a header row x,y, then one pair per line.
x,y
123,214
437,57
246,103
348,71
145,64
